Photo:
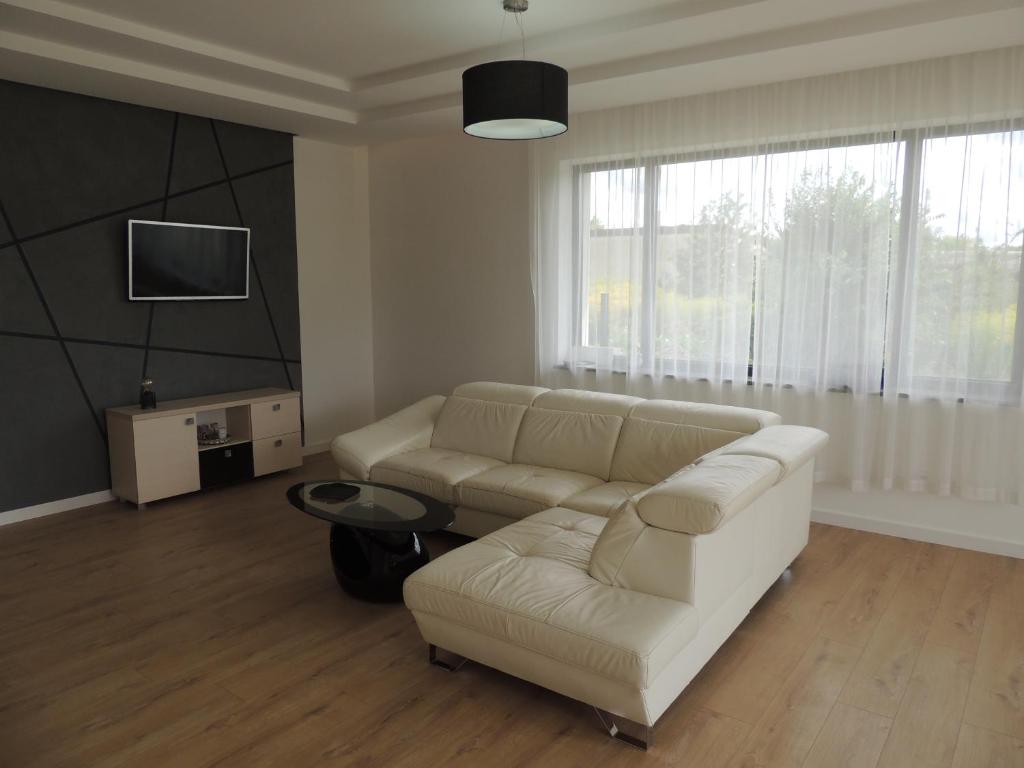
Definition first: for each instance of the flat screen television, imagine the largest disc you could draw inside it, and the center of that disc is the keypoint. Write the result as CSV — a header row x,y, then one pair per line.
x,y
168,261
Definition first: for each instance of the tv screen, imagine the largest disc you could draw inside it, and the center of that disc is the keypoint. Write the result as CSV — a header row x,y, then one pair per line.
x,y
178,262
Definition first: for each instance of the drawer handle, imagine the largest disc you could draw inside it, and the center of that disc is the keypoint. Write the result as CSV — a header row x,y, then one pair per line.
x,y
278,443
189,421
276,407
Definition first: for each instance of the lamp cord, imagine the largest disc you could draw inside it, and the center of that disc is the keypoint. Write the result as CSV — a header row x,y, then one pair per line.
x,y
522,32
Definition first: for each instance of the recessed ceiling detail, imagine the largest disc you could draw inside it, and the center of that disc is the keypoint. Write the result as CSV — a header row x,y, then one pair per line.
x,y
357,72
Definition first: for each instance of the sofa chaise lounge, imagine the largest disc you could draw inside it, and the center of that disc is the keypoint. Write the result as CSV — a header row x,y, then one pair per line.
x,y
622,540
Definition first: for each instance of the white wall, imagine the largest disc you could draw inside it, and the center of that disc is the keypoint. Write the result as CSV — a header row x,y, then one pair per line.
x,y
984,526
333,241
452,298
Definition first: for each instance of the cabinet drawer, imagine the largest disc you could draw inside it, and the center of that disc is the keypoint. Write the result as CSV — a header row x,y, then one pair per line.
x,y
225,465
272,454
275,417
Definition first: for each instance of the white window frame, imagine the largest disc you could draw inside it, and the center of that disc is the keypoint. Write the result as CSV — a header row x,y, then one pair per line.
x,y
901,255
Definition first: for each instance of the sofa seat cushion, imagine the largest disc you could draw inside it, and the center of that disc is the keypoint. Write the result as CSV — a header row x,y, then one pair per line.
x,y
527,584
433,471
605,499
520,490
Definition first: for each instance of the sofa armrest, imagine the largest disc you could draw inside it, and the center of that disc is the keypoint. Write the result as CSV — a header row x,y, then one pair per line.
x,y
790,445
700,497
411,428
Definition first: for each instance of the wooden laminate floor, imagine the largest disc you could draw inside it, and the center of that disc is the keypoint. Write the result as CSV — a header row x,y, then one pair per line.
x,y
208,630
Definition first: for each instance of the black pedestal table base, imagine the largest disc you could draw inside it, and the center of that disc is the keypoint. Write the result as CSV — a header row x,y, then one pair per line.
x,y
375,532
372,565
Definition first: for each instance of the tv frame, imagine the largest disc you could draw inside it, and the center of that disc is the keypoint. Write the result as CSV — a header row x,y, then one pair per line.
x,y
248,258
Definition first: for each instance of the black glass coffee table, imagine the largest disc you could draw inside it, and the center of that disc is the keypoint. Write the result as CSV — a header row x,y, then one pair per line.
x,y
374,532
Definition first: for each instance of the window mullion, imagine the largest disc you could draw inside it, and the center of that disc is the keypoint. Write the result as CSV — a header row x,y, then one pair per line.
x,y
1013,397
906,253
580,265
648,265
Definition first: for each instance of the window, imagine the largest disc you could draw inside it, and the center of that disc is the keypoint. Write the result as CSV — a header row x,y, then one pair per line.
x,y
964,267
615,224
822,265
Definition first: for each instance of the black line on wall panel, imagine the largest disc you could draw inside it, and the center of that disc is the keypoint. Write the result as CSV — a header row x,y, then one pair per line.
x,y
53,323
153,348
121,211
233,355
163,217
149,335
170,167
252,255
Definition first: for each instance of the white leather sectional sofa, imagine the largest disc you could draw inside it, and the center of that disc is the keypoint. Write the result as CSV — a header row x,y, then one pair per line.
x,y
623,539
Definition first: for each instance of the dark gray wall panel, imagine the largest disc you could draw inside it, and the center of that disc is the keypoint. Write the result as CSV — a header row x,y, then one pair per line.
x,y
239,327
20,307
83,273
52,448
64,157
212,205
247,148
183,374
231,326
296,373
196,161
73,170
268,198
109,374
5,233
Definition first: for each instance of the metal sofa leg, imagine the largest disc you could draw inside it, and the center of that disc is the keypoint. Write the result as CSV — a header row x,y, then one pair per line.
x,y
644,733
432,656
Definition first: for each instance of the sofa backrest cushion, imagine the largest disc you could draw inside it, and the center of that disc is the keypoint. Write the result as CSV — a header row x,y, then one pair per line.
x,y
577,442
584,401
483,418
636,556
732,418
572,430
494,391
790,445
659,437
701,497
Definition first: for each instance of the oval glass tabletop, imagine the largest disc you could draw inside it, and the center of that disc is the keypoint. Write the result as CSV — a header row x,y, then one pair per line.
x,y
371,505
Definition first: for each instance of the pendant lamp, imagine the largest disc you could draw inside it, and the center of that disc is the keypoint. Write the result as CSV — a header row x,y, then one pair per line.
x,y
515,99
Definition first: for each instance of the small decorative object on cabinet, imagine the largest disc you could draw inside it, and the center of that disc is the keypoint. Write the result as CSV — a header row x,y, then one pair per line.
x,y
147,397
156,452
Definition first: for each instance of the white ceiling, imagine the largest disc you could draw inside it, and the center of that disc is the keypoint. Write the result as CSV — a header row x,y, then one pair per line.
x,y
357,71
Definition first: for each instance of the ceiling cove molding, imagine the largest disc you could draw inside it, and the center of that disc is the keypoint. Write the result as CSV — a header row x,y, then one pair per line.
x,y
32,46
113,25
550,41
140,32
854,25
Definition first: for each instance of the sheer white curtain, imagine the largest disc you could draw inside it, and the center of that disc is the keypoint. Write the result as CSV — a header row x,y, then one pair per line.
x,y
845,250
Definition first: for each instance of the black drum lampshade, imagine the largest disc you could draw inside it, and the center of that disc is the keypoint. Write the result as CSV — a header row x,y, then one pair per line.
x,y
515,99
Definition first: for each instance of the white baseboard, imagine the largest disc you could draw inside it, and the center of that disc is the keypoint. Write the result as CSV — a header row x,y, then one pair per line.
x,y
87,500
53,507
981,526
